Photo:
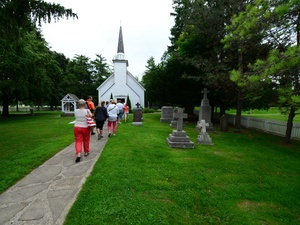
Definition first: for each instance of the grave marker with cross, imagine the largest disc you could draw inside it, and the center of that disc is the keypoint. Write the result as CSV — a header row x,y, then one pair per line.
x,y
138,105
203,126
205,92
203,137
180,115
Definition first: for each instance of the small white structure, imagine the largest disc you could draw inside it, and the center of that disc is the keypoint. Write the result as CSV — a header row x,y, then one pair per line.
x,y
121,83
68,104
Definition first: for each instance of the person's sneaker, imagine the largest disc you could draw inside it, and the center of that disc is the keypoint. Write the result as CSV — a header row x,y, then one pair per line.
x,y
109,134
114,134
93,133
77,159
99,136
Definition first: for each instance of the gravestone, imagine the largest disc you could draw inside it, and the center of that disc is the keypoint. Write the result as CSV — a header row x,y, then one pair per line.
x,y
166,114
173,123
138,105
137,115
224,124
203,137
205,111
178,138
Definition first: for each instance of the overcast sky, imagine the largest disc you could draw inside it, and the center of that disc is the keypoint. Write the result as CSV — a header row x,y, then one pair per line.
x,y
145,25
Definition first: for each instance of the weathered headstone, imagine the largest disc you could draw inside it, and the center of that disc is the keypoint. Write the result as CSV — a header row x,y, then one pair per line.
x,y
166,114
205,111
137,115
203,137
173,123
224,124
178,138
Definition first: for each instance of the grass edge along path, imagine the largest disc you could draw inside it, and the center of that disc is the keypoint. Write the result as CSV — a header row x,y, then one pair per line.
x,y
26,142
246,178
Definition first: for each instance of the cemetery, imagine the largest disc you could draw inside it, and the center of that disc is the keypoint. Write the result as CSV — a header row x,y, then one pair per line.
x,y
151,176
213,135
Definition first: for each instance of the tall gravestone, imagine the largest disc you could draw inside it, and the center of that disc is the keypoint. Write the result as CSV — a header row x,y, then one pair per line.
x,y
178,138
224,124
166,114
205,111
137,115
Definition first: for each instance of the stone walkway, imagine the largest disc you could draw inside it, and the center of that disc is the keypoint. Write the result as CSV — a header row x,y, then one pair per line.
x,y
46,195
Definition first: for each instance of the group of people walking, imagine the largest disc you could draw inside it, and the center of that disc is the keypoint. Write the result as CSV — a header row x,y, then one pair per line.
x,y
111,111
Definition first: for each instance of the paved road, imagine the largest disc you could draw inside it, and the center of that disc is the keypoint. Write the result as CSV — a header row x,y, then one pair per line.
x,y
47,193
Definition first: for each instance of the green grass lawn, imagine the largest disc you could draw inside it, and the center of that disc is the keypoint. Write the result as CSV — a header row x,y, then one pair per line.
x,y
27,141
244,178
270,114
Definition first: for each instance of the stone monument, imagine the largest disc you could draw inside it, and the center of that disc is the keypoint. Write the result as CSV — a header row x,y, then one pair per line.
x,y
203,137
224,124
137,115
173,123
166,114
205,111
178,138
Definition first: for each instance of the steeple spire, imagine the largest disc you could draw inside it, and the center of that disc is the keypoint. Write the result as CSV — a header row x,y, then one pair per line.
x,y
120,56
120,43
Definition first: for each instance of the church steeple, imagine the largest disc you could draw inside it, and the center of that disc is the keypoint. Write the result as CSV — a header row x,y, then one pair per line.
x,y
120,56
120,42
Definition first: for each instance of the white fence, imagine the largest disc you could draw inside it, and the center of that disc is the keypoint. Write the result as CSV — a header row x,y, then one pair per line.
x,y
268,126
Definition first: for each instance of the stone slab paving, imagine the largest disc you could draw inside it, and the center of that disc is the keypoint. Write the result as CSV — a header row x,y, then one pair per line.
x,y
46,194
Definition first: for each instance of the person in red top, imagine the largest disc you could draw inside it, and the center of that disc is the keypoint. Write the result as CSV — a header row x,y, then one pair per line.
x,y
91,107
126,112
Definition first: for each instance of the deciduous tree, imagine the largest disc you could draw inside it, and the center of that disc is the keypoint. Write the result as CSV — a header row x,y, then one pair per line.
x,y
22,50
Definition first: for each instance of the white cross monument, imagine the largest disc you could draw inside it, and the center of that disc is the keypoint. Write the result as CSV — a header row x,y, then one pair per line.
x,y
203,137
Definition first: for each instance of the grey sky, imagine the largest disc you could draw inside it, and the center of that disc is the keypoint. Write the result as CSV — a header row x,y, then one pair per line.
x,y
145,24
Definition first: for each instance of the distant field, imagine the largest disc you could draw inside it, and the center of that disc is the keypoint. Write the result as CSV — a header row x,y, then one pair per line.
x,y
271,114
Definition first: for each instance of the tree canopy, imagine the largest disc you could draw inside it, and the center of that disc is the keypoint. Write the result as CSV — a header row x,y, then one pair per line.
x,y
275,24
24,54
244,52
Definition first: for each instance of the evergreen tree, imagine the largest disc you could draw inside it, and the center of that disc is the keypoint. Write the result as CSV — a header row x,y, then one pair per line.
x,y
276,23
128,102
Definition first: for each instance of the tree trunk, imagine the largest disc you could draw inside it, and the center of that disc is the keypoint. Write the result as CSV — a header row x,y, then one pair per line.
x,y
239,97
289,125
212,113
238,116
222,108
189,110
5,104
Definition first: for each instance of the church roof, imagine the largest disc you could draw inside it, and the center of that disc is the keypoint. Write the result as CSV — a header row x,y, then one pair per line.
x,y
120,42
70,98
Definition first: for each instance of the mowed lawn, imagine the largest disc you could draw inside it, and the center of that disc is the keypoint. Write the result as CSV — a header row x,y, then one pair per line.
x,y
244,178
270,114
27,141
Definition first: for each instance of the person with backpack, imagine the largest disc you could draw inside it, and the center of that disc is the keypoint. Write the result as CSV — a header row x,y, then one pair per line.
x,y
100,116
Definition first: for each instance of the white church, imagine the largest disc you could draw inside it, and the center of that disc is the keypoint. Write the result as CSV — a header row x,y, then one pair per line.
x,y
121,83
